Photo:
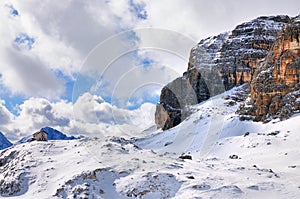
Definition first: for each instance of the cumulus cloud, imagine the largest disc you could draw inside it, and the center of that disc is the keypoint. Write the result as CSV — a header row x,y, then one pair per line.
x,y
58,38
89,116
63,34
92,109
36,113
42,39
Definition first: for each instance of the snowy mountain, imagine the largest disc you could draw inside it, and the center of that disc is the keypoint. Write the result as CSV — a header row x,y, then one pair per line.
x,y
205,151
263,52
223,158
4,142
217,64
53,134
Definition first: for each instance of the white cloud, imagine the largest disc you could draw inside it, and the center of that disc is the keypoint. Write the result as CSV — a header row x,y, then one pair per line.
x,y
5,116
65,33
201,18
90,116
24,74
91,109
36,113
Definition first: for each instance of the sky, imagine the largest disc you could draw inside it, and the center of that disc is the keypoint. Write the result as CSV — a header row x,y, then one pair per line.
x,y
96,67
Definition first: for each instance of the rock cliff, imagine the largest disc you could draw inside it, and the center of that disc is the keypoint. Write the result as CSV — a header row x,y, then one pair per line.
x,y
275,89
177,96
217,64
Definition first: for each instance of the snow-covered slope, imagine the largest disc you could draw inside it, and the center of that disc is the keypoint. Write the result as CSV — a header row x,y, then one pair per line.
x,y
4,142
227,161
213,119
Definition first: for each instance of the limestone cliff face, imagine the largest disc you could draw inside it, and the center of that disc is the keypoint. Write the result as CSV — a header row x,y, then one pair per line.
x,y
275,89
235,54
217,64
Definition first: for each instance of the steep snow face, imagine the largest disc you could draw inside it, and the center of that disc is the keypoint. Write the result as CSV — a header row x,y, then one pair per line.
x,y
4,142
230,159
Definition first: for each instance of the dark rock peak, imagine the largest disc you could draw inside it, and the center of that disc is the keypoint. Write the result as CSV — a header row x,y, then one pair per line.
x,y
182,92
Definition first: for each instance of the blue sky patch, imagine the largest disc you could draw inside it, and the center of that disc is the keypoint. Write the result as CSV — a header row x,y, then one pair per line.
x,y
24,40
138,9
69,84
13,11
11,102
135,103
147,62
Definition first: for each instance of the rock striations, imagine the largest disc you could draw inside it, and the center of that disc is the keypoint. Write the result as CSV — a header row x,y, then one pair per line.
x,y
222,62
275,89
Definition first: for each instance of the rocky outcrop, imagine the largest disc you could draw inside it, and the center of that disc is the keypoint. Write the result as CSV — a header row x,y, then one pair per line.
x,y
13,182
235,54
218,64
182,92
275,89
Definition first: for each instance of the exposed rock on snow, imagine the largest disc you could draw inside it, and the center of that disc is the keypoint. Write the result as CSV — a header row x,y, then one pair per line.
x,y
184,91
275,89
217,64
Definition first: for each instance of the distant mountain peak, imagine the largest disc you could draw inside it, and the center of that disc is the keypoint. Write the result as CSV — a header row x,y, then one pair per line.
x,y
53,134
4,142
